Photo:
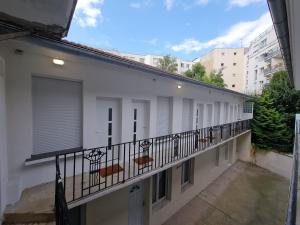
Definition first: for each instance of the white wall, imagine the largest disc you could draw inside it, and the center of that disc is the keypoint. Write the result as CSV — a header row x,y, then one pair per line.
x,y
99,79
205,171
3,147
278,163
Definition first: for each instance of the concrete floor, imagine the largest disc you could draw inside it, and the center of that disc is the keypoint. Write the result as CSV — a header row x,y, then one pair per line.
x,y
243,195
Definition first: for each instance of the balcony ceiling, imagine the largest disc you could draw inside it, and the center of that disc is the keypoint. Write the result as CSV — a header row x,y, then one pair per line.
x,y
51,17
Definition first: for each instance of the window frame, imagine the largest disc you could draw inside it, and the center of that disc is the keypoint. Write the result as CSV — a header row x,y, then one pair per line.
x,y
156,177
189,174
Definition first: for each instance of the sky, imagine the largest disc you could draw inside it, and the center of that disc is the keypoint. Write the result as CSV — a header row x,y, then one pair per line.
x,y
182,28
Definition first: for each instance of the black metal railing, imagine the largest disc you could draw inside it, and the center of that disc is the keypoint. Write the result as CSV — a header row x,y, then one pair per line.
x,y
292,206
61,207
89,171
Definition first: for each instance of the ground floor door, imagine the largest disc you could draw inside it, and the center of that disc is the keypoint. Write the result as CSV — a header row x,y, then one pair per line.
x,y
136,204
140,120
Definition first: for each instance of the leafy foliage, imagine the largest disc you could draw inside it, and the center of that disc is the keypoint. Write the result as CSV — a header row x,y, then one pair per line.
x,y
198,72
268,128
215,79
274,114
168,64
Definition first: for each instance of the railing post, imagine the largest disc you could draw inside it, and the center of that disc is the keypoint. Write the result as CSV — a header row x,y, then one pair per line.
x,y
210,134
221,128
61,207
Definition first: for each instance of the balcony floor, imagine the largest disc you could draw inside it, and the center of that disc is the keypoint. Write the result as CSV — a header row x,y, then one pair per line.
x,y
243,195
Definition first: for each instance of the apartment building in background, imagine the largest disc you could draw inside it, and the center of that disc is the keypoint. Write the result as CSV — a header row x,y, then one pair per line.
x,y
230,62
153,60
262,60
118,141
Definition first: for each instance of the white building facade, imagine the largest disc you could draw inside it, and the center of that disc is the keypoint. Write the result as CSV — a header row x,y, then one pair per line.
x,y
99,103
230,62
153,60
262,60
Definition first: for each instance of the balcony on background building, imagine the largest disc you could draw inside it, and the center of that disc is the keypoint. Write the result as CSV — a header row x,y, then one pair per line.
x,y
270,70
272,54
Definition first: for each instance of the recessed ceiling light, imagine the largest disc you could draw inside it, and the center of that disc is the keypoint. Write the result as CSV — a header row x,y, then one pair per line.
x,y
58,62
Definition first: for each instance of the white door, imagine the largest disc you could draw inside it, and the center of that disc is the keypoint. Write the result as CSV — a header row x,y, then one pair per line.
x,y
108,121
231,114
199,116
136,204
225,119
187,115
164,116
140,120
217,113
209,115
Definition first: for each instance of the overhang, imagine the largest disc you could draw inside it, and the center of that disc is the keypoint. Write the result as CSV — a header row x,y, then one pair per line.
x,y
286,19
49,17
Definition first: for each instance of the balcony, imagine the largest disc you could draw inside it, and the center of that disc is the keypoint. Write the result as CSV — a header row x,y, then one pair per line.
x,y
272,54
270,70
90,171
87,174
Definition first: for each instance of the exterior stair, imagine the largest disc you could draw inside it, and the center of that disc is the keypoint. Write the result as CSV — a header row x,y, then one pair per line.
x,y
35,207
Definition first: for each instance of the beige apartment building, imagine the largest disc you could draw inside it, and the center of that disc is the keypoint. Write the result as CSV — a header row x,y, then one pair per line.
x,y
230,61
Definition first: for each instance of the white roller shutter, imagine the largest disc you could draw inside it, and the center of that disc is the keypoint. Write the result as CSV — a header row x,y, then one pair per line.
x,y
163,126
57,114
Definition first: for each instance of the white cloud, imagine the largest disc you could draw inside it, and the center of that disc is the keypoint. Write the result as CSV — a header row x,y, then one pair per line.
x,y
243,3
242,31
169,4
202,2
88,12
141,4
135,5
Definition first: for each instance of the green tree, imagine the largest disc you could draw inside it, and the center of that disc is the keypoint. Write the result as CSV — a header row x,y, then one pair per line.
x,y
197,72
215,79
268,128
168,64
274,114
286,99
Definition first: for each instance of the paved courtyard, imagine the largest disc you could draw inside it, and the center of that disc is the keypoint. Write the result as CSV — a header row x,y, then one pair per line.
x,y
243,195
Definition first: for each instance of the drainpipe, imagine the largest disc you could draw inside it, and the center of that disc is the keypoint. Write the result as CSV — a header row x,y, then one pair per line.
x,y
280,21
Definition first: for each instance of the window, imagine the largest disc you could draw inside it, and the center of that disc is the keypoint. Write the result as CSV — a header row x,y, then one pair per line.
x,y
233,74
57,115
233,85
186,172
234,53
155,61
226,152
247,107
188,66
159,186
182,65
255,73
222,64
223,53
234,64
